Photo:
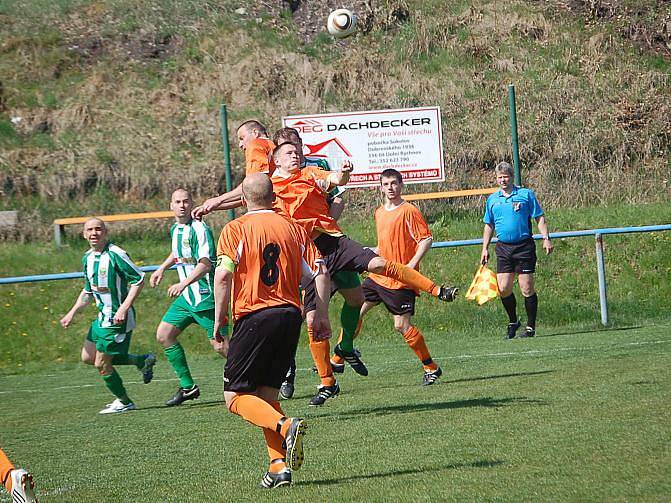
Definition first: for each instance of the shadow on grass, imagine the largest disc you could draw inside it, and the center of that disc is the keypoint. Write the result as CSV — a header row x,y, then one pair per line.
x,y
502,376
592,331
395,473
196,405
433,406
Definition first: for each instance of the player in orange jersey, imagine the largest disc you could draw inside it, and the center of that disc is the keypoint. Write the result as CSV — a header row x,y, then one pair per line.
x,y
404,237
17,481
301,195
253,140
261,259
343,279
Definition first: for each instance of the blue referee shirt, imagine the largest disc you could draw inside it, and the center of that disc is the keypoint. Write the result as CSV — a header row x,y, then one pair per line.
x,y
511,216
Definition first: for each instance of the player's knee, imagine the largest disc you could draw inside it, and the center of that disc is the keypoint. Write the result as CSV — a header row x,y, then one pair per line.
x,y
402,325
376,265
104,368
87,358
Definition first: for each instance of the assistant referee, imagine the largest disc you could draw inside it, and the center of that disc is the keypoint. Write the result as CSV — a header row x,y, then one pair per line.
x,y
509,212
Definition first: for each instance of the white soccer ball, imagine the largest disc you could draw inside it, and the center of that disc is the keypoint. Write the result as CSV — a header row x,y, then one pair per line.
x,y
341,23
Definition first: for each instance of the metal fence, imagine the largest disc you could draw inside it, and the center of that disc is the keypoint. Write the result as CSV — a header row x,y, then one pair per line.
x,y
597,233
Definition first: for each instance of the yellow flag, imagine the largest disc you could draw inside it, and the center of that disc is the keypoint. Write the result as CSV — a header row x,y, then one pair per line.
x,y
484,286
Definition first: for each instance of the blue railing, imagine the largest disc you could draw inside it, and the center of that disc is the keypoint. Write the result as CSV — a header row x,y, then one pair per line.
x,y
598,233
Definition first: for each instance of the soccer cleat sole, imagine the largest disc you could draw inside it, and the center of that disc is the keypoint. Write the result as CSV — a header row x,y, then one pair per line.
x,y
295,455
23,487
147,369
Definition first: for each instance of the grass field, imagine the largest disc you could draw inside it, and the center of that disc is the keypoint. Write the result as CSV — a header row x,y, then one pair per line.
x,y
569,416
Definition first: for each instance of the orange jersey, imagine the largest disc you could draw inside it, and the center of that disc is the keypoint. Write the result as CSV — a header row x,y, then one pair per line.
x,y
302,196
271,254
258,156
398,233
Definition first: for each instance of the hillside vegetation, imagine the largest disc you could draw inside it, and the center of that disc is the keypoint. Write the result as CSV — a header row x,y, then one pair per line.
x,y
109,105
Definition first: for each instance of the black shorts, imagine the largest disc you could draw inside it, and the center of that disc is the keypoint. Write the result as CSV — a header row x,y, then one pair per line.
x,y
401,301
516,257
340,254
262,347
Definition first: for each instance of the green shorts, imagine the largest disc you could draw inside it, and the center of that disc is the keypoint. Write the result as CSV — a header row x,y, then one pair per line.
x,y
180,315
346,279
111,341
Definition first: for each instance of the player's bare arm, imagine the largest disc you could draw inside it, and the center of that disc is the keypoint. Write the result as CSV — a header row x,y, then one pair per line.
x,y
121,313
223,277
321,326
340,178
157,275
83,300
422,248
221,202
202,268
486,239
542,226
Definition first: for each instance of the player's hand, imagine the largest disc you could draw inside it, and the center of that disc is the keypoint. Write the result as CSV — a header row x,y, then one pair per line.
x,y
321,328
199,212
119,316
221,332
176,290
548,246
484,258
66,320
155,278
206,208
347,165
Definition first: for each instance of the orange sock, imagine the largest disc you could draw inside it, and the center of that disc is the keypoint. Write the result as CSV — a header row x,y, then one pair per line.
x,y
410,277
256,410
6,466
416,341
274,443
320,354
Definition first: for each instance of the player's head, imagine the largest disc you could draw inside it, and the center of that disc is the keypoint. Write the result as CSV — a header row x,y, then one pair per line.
x,y
95,232
181,204
287,157
249,130
288,134
257,191
504,174
391,184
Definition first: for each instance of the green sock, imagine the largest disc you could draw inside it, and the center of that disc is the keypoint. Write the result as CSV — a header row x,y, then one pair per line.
x,y
349,319
137,360
177,358
115,385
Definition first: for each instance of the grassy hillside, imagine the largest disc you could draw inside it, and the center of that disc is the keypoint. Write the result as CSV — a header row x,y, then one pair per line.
x,y
108,105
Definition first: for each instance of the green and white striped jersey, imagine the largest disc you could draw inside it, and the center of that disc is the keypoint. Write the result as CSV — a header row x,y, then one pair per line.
x,y
190,243
107,277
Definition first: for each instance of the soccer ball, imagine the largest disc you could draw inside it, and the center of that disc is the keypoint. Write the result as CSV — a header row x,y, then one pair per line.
x,y
341,23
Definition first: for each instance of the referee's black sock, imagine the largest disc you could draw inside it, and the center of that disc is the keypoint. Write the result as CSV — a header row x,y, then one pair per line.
x,y
510,304
531,305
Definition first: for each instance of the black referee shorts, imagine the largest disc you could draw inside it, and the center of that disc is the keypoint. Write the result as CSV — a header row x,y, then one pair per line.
x,y
516,257
262,346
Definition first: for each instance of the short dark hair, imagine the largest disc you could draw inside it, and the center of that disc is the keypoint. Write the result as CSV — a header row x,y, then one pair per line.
x,y
286,134
279,147
391,173
254,124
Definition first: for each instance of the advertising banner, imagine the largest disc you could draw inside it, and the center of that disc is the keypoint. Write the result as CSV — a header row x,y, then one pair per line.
x,y
407,140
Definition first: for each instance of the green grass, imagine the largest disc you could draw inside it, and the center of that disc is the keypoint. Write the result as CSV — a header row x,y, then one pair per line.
x,y
564,417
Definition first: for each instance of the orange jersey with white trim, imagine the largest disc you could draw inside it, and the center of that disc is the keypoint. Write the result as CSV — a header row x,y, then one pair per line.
x,y
302,196
258,156
398,233
271,255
